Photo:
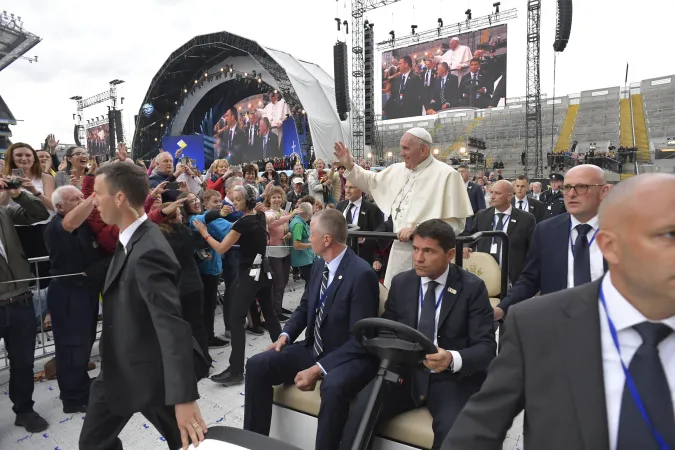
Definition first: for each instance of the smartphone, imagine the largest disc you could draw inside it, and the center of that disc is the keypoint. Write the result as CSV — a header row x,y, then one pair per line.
x,y
185,160
172,186
97,158
193,162
17,173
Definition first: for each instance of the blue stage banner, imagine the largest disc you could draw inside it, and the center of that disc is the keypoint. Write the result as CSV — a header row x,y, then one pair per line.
x,y
193,147
291,143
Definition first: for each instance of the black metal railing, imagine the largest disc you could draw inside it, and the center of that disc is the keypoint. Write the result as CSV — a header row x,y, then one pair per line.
x,y
462,241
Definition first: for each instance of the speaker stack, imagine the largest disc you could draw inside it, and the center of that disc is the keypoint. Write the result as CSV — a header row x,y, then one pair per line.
x,y
340,71
369,79
564,25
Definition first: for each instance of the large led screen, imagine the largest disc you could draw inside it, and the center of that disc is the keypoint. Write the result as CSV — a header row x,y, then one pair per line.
x,y
464,71
97,140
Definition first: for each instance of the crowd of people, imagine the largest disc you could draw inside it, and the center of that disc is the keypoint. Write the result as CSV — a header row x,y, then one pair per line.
x,y
151,245
611,159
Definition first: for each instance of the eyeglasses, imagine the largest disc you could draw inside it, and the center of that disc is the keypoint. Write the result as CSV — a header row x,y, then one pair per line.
x,y
580,189
193,202
79,154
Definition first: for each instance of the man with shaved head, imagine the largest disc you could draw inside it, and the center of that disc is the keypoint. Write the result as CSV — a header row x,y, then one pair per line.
x,y
419,189
518,225
593,366
564,252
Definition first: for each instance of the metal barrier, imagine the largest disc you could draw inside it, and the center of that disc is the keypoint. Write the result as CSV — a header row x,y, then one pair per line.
x,y
44,345
462,241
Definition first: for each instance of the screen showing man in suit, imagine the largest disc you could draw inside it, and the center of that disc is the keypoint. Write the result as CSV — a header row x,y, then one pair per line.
x,y
593,367
97,139
488,47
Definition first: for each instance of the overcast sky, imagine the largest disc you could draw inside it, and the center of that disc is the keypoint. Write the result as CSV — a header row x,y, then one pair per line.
x,y
88,43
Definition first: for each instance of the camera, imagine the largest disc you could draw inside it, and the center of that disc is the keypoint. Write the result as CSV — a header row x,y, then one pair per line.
x,y
13,184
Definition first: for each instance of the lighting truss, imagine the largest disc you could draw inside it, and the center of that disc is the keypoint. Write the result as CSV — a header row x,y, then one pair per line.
x,y
15,41
450,30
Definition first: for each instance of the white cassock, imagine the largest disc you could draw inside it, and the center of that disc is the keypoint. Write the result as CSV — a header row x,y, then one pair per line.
x,y
432,190
461,56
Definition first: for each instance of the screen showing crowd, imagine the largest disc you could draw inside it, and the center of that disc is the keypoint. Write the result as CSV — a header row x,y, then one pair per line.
x,y
468,70
97,140
252,129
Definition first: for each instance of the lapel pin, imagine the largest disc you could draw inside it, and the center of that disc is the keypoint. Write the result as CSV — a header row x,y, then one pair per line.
x,y
451,290
125,251
513,220
340,277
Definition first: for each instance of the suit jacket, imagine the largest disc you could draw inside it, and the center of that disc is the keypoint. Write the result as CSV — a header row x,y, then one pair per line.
x,y
16,266
354,294
469,90
546,263
370,217
272,150
247,130
146,346
519,230
405,102
450,90
465,323
236,149
476,196
554,204
535,207
427,91
561,388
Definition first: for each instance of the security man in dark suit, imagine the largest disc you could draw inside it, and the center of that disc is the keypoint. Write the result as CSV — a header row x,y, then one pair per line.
x,y
563,253
525,203
476,86
17,316
406,92
553,198
73,301
475,192
266,144
342,290
428,76
518,225
367,216
450,306
147,361
251,130
232,139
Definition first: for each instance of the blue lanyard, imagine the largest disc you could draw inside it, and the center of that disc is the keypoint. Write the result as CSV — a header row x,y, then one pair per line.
x,y
589,242
438,302
504,226
629,380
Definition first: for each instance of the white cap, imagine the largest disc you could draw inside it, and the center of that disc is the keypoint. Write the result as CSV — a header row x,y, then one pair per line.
x,y
421,133
297,180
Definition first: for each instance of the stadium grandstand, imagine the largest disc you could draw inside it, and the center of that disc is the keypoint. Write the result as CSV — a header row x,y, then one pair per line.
x,y
608,122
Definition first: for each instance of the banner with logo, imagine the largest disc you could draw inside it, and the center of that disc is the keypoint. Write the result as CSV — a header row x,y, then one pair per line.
x,y
193,147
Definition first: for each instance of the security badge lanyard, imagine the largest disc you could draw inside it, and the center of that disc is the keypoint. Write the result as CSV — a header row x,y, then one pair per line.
x,y
663,445
438,302
493,247
589,242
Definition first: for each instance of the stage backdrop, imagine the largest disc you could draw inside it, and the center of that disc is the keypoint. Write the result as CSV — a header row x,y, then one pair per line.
x,y
193,147
488,45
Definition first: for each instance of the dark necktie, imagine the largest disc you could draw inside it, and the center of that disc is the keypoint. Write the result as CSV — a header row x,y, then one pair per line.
x,y
350,217
426,326
443,101
650,380
318,343
231,138
582,256
265,147
520,205
499,227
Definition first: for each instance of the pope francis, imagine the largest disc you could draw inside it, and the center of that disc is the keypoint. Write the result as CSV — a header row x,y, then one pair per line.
x,y
418,189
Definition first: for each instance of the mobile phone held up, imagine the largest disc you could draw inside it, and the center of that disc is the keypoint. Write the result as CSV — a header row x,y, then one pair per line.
x,y
17,173
172,186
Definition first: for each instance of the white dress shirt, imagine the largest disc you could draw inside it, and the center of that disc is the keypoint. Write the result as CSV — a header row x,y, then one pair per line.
x,y
355,211
625,316
440,288
125,236
526,205
597,261
507,219
3,252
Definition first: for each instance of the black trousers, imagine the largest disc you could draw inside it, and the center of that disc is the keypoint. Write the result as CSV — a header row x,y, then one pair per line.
x,y
281,269
445,398
74,310
102,427
230,274
210,299
306,273
246,292
18,329
193,313
339,386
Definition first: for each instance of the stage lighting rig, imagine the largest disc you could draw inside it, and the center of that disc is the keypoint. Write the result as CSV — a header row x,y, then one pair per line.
x,y
337,19
496,6
440,23
413,28
393,37
346,24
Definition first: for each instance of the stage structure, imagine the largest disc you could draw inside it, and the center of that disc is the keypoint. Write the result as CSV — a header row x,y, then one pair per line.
x,y
114,118
534,158
211,73
359,8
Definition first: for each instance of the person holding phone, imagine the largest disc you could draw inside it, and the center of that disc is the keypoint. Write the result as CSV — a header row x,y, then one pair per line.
x,y
77,160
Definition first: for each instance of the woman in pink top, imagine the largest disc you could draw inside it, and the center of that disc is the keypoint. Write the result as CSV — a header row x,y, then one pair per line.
x,y
278,250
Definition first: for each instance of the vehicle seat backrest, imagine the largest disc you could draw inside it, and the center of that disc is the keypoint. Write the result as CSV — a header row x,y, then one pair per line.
x,y
384,293
485,267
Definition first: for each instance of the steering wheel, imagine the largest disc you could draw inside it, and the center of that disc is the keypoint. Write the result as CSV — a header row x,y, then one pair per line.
x,y
394,341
